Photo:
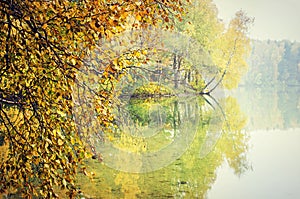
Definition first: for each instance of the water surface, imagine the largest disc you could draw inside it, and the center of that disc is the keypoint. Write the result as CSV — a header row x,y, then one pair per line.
x,y
275,173
244,145
274,148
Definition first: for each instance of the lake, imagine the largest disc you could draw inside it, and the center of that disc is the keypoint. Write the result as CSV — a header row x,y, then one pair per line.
x,y
243,144
274,130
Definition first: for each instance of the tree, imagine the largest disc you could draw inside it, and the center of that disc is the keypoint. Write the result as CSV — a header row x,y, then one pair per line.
x,y
215,52
201,49
44,45
231,51
203,25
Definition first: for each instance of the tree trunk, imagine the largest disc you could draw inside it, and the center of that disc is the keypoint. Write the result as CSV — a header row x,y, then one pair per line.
x,y
175,69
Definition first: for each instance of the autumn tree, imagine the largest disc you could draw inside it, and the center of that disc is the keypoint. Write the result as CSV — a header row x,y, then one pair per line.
x,y
44,46
231,50
201,52
224,49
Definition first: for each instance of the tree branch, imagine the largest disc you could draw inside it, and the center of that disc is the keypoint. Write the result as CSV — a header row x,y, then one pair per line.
x,y
227,66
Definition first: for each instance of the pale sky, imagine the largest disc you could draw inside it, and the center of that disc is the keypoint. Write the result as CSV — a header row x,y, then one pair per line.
x,y
274,19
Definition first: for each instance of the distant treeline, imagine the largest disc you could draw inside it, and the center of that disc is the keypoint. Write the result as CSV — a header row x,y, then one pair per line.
x,y
274,63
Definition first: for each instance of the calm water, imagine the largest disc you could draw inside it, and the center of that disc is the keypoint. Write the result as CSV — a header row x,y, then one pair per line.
x,y
245,145
275,173
274,130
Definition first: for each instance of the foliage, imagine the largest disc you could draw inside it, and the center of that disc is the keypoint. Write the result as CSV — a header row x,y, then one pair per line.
x,y
231,50
207,53
44,45
56,71
152,89
201,54
147,111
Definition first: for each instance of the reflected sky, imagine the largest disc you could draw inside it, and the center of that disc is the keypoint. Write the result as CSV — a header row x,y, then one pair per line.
x,y
270,108
255,161
275,160
275,20
274,149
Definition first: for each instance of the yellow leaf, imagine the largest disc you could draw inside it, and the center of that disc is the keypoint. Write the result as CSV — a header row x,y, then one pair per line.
x,y
54,132
64,182
26,134
46,145
138,17
144,52
52,157
72,141
138,3
88,155
59,134
61,113
60,142
68,26
45,26
48,140
35,153
73,61
115,62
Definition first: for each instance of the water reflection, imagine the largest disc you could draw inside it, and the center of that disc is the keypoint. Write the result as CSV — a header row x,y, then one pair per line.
x,y
274,131
151,134
271,108
217,136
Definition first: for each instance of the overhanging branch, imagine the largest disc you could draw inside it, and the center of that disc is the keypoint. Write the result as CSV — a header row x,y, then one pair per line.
x,y
227,66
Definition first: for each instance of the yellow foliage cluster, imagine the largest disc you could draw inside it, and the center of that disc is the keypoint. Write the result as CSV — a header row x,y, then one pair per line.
x,y
43,47
228,47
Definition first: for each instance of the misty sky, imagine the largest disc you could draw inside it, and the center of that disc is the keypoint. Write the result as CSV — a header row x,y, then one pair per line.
x,y
274,19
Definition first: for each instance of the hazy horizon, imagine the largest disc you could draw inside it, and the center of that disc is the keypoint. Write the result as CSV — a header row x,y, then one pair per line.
x,y
274,20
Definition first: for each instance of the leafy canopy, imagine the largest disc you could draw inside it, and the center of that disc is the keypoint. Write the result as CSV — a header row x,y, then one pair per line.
x,y
44,45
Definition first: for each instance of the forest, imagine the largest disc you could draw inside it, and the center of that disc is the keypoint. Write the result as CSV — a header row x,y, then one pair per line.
x,y
273,63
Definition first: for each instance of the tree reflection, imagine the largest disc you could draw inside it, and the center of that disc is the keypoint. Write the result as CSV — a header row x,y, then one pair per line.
x,y
234,142
219,137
